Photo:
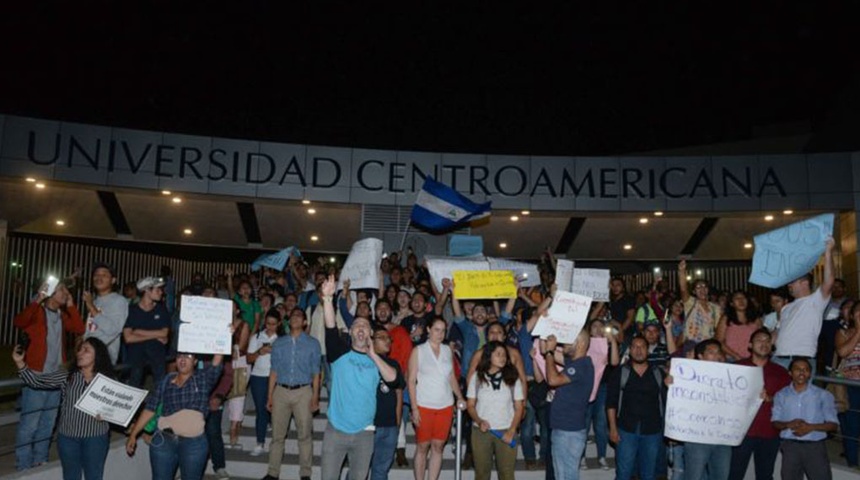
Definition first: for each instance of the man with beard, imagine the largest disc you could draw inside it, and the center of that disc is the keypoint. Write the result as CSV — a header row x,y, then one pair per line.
x,y
389,408
761,439
356,372
415,324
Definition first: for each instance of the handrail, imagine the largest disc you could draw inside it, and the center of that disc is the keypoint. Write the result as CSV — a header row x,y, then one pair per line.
x,y
458,473
838,380
17,382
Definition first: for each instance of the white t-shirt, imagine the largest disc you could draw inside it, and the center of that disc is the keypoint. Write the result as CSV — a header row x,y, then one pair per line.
x,y
800,324
434,374
495,406
264,362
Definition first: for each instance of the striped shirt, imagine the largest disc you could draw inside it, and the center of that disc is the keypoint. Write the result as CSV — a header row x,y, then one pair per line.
x,y
73,422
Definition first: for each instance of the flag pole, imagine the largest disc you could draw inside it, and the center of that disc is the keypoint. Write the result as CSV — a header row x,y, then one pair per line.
x,y
403,240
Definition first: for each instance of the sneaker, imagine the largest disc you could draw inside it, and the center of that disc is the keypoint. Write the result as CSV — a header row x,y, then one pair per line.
x,y
531,465
583,465
258,450
222,474
603,464
235,446
468,462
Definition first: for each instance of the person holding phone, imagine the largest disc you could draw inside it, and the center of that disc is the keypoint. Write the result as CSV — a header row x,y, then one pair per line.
x,y
107,310
82,439
45,321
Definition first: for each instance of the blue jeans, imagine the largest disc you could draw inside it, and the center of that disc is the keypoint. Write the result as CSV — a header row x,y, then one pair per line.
x,y
215,439
85,455
167,452
596,415
260,392
567,449
36,426
326,372
384,443
527,432
636,448
713,459
676,456
851,426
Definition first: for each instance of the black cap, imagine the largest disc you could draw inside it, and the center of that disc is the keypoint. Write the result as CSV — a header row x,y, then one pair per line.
x,y
99,265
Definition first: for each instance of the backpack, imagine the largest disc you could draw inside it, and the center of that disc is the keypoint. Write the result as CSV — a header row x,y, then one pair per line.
x,y
625,375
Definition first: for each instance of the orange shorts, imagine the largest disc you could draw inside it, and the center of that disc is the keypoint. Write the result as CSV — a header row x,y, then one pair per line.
x,y
435,424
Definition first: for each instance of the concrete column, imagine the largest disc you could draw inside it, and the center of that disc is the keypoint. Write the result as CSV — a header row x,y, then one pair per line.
x,y
846,240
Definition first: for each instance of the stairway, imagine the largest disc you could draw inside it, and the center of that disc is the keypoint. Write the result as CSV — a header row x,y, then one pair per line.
x,y
241,465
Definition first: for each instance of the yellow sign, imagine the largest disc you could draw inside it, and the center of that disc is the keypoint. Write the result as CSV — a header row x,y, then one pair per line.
x,y
488,284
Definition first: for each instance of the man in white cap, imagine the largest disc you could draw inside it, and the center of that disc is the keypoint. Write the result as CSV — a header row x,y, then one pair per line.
x,y
146,332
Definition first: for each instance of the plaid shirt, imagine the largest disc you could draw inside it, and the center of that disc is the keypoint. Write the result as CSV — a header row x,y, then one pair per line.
x,y
194,394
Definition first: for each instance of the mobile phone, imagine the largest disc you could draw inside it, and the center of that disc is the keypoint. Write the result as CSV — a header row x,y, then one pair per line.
x,y
23,341
51,285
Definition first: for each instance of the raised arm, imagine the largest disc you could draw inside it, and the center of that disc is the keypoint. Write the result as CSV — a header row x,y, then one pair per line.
x,y
442,297
230,290
553,377
682,280
455,304
827,284
328,289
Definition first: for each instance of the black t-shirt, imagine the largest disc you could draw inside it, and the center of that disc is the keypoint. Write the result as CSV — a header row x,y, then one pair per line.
x,y
155,319
621,306
411,323
641,405
386,397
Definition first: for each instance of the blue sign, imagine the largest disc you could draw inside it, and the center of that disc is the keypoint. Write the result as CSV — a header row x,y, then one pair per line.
x,y
786,254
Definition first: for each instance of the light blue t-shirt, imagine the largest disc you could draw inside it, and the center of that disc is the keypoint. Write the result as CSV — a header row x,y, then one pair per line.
x,y
352,406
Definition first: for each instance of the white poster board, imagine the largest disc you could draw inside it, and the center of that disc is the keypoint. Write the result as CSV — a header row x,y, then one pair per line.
x,y
115,402
711,402
565,318
205,325
362,265
443,267
564,275
592,283
527,274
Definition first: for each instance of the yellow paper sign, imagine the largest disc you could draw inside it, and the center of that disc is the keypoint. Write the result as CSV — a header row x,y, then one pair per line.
x,y
489,284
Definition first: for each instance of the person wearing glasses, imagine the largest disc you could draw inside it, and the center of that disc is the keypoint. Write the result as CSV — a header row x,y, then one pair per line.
x,y
700,313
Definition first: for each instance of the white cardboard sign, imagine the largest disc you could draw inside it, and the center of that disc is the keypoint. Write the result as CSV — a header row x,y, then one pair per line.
x,y
205,325
113,401
592,283
362,265
565,318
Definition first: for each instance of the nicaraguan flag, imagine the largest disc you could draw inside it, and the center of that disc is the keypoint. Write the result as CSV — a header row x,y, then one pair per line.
x,y
277,260
439,207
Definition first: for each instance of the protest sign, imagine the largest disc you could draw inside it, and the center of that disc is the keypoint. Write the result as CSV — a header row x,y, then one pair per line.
x,y
711,402
477,284
564,275
465,245
362,265
786,254
443,267
115,402
565,318
277,260
527,274
592,283
205,325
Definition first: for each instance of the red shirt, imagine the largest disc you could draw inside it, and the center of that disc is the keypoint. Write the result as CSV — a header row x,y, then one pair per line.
x,y
401,347
775,379
33,321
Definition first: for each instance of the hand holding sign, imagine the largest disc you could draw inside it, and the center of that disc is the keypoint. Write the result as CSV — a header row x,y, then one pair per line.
x,y
565,318
787,253
206,325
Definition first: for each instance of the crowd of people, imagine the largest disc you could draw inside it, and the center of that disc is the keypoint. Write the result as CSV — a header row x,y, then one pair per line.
x,y
408,355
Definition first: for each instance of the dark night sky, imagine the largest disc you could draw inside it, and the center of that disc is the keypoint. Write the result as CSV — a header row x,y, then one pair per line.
x,y
585,79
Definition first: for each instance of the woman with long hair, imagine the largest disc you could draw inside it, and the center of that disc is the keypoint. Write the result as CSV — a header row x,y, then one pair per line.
x,y
496,405
391,292
737,325
402,306
82,440
432,387
260,354
848,348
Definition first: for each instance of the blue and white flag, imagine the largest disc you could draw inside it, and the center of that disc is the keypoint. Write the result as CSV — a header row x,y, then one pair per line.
x,y
277,260
439,207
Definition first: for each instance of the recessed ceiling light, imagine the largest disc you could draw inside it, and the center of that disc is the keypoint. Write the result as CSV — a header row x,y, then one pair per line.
x,y
658,214
643,220
748,245
514,218
61,222
768,218
314,238
787,212
526,212
166,192
187,231
177,200
306,202
30,179
503,245
332,259
40,185
627,246
312,211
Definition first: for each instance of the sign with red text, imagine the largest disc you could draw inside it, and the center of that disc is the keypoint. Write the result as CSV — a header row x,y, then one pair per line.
x,y
565,318
712,402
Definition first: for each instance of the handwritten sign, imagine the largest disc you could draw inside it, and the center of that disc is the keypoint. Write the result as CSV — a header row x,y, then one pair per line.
x,y
711,402
564,275
592,283
527,274
788,253
362,264
443,267
488,284
205,326
565,318
115,402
